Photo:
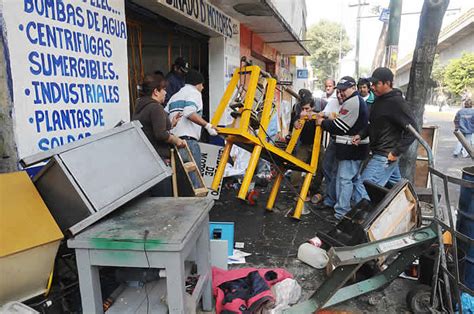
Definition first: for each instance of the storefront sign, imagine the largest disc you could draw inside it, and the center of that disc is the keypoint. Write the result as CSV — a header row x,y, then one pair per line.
x,y
210,158
68,66
206,14
302,74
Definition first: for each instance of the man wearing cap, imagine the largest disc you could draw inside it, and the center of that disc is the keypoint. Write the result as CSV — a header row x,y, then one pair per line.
x,y
188,102
352,118
387,131
175,77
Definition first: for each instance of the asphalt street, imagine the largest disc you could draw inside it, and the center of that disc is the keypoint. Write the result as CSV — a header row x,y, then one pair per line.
x,y
273,239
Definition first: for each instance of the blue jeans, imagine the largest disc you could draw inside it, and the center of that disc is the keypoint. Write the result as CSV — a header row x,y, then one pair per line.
x,y
330,173
196,152
347,178
460,149
378,171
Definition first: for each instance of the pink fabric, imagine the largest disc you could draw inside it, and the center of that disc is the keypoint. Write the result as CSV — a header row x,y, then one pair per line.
x,y
220,276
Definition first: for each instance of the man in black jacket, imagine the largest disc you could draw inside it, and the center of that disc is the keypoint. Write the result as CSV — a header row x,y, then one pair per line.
x,y
352,119
387,131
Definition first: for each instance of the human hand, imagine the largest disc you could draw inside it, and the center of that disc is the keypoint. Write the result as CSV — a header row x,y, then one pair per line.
x,y
212,130
392,157
298,124
356,140
180,143
176,119
319,121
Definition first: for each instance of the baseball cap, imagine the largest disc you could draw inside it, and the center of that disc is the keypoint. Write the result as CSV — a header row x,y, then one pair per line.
x,y
345,82
382,74
182,64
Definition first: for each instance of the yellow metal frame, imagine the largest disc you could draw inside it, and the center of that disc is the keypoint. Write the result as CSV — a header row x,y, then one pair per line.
x,y
241,133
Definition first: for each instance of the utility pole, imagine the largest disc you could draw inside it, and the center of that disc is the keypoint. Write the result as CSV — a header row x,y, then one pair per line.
x,y
391,48
359,6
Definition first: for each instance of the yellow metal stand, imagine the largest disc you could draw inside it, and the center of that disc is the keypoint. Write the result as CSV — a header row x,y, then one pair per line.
x,y
241,133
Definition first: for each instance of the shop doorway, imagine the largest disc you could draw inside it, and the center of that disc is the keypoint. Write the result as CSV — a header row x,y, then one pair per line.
x,y
154,42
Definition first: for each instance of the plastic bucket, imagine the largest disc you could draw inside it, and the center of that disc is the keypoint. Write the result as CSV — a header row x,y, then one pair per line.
x,y
428,258
465,223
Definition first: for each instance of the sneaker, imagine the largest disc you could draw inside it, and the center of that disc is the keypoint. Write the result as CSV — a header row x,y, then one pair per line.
x,y
316,199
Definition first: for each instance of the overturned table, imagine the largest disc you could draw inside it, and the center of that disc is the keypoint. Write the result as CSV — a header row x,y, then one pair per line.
x,y
149,233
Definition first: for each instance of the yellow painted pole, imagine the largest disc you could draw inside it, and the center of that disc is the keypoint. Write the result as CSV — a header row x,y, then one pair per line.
x,y
274,192
309,176
254,158
316,147
249,96
303,194
221,167
295,135
226,98
267,108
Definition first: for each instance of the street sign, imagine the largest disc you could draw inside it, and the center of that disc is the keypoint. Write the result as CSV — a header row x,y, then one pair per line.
x,y
302,73
384,15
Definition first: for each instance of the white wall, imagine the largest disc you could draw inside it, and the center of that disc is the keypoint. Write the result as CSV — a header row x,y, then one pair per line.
x,y
216,72
466,44
294,13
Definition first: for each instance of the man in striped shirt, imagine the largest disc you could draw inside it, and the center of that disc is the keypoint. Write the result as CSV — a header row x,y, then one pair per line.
x,y
187,102
352,118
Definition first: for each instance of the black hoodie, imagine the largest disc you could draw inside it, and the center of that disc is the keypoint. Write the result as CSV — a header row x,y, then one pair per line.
x,y
388,118
156,124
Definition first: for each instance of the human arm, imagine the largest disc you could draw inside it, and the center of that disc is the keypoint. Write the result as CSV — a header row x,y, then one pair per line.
x,y
176,119
211,129
348,116
402,116
457,118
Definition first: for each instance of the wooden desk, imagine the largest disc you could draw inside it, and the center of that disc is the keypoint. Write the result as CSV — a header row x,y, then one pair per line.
x,y
175,227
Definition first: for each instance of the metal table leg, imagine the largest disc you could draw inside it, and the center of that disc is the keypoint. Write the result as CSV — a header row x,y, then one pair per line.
x,y
89,280
203,265
175,280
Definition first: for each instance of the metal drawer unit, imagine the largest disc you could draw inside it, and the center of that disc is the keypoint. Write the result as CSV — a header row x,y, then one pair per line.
x,y
86,180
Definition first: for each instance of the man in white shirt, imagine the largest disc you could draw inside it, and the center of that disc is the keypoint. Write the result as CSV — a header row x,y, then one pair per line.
x,y
333,105
187,102
329,164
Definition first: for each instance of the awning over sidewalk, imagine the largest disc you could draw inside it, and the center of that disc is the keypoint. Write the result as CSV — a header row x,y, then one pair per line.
x,y
263,19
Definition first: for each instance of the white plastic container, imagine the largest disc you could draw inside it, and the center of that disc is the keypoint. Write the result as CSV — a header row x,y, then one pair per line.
x,y
313,256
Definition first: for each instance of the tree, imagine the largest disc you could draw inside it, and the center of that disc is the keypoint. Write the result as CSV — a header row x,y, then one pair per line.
x,y
459,73
323,44
437,74
431,19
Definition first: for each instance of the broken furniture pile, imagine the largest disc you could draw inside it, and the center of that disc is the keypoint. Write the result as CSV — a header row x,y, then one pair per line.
x,y
100,183
374,245
249,98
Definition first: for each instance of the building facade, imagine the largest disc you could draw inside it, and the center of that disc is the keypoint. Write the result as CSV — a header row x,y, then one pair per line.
x,y
71,68
454,39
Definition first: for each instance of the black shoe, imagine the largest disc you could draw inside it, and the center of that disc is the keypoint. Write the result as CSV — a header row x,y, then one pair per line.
x,y
323,207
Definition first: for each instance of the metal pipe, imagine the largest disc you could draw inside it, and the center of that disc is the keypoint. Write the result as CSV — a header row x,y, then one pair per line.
x,y
274,192
464,142
291,92
434,188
